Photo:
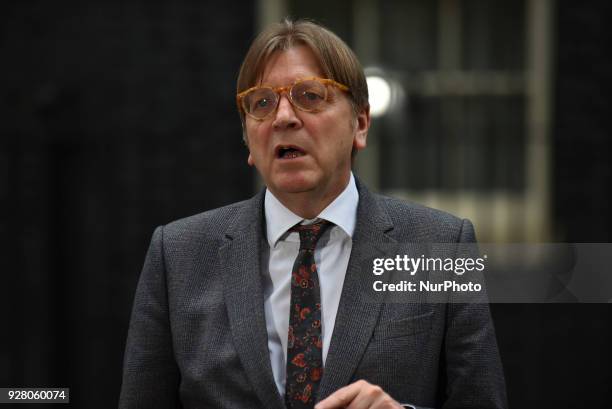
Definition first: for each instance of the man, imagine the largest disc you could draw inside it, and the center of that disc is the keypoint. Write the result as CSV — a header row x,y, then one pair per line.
x,y
258,304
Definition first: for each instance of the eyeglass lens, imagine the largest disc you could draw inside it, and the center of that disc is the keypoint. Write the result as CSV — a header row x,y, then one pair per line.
x,y
306,95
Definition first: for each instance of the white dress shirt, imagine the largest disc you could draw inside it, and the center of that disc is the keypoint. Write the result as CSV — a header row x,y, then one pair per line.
x,y
331,256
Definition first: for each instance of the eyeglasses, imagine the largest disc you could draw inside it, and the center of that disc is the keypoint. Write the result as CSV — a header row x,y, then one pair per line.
x,y
306,94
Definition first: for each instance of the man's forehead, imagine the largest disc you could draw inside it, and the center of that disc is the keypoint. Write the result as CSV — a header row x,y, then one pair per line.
x,y
285,66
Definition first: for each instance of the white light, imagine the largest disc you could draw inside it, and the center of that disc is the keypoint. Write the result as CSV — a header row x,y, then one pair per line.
x,y
380,95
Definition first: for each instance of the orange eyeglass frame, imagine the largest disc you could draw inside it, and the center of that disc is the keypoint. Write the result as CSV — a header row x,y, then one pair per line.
x,y
279,90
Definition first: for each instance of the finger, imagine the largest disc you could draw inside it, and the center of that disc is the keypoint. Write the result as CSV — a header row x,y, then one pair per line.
x,y
341,398
370,397
385,401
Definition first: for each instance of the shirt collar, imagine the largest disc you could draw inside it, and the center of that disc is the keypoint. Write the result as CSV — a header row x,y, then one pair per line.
x,y
342,212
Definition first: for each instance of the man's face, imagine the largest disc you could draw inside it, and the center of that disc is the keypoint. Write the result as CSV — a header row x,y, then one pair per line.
x,y
321,142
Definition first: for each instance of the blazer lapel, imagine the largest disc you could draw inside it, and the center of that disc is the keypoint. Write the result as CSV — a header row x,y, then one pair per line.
x,y
356,318
240,260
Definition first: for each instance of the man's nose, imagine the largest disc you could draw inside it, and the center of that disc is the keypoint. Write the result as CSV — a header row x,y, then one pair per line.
x,y
285,117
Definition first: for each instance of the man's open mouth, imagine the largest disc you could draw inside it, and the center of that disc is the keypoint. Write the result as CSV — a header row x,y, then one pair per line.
x,y
289,152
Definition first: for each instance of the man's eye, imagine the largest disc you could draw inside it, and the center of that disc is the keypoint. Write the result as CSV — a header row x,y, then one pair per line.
x,y
312,96
262,103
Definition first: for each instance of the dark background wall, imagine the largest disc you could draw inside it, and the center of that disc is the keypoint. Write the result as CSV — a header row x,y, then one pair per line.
x,y
560,355
582,124
117,117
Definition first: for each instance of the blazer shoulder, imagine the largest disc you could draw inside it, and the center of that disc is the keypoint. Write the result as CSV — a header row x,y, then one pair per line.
x,y
410,218
211,224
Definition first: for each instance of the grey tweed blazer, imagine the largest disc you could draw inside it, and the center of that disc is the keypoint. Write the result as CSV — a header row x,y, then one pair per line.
x,y
197,336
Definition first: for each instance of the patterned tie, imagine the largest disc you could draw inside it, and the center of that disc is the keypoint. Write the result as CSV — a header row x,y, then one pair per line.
x,y
304,356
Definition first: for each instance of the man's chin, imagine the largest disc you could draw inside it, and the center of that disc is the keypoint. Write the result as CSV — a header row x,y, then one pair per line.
x,y
294,188
293,185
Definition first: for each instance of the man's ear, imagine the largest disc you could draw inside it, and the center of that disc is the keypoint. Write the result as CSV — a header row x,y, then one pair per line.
x,y
245,139
361,129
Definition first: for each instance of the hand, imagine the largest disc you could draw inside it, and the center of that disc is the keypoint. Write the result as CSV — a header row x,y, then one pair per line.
x,y
359,395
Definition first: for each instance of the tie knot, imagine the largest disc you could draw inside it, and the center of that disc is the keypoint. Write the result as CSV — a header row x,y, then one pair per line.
x,y
310,233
